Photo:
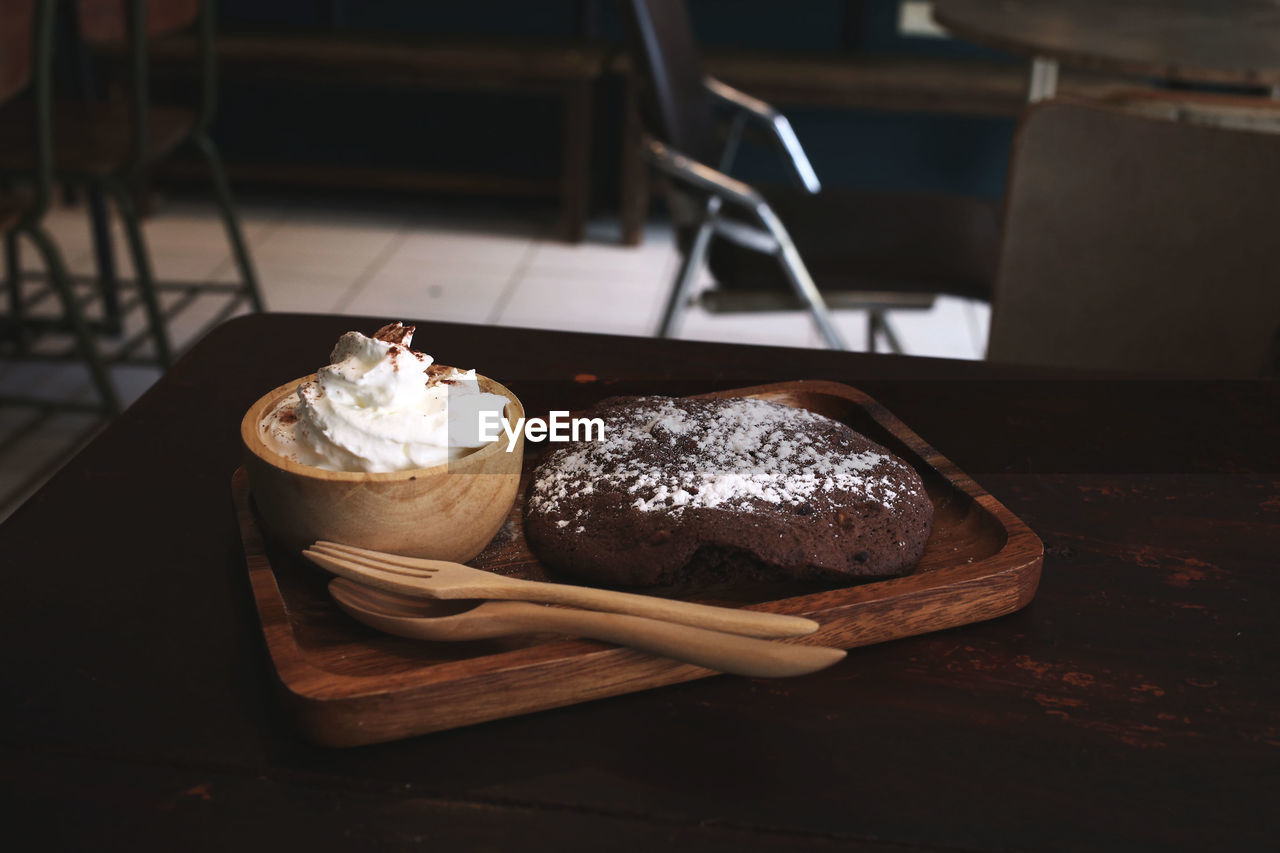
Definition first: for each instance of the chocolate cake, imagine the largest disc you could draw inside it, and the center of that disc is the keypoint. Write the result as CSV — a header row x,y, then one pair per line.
x,y
688,490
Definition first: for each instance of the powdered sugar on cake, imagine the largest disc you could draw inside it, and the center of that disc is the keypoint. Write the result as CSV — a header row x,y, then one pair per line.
x,y
669,456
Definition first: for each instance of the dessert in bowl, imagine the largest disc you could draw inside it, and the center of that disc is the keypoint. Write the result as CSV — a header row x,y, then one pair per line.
x,y
383,449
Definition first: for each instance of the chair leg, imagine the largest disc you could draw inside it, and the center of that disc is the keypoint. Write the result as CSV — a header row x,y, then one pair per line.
x,y
230,220
61,282
575,178
633,188
686,276
799,278
878,324
890,339
13,282
142,270
104,260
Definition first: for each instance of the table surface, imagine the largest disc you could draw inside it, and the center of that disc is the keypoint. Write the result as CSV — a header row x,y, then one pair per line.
x,y
1131,705
1209,41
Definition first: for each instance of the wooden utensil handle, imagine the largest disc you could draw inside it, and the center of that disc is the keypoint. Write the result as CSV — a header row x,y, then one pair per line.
x,y
749,622
711,649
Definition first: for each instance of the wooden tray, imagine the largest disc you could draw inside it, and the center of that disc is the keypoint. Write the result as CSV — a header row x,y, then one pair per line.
x,y
348,685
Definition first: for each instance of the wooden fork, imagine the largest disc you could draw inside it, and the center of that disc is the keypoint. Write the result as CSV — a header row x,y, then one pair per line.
x,y
442,579
715,650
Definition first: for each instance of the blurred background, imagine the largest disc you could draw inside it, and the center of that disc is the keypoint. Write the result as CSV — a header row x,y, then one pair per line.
x,y
563,164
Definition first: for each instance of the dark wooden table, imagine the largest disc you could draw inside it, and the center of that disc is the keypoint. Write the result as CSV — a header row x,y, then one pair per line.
x,y
1132,705
1207,41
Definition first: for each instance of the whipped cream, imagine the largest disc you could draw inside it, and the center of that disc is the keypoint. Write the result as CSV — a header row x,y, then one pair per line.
x,y
380,406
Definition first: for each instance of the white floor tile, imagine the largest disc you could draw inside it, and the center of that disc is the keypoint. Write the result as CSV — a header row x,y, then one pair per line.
x,y
192,264
942,331
193,323
288,288
189,218
979,316
327,249
348,214
591,261
428,295
458,251
600,304
69,227
73,259
172,226
774,328
607,230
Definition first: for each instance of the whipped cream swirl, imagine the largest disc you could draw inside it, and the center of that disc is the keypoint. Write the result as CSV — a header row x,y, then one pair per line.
x,y
380,406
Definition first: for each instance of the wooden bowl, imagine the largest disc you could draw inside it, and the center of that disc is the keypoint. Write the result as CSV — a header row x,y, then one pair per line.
x,y
446,512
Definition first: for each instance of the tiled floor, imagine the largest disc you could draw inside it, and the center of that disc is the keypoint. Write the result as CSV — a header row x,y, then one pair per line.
x,y
394,260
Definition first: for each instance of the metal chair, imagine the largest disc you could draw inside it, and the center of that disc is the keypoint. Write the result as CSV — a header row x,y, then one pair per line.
x,y
26,45
1140,244
878,251
109,146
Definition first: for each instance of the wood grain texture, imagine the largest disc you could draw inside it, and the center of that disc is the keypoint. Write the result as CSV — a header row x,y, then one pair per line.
x,y
1131,706
892,83
1106,230
1194,40
442,581
715,650
446,512
346,687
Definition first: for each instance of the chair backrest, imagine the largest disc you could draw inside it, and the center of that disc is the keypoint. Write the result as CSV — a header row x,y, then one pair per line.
x,y
1139,244
16,18
122,22
104,21
674,102
26,61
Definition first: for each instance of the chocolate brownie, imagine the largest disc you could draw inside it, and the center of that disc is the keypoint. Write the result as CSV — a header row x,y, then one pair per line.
x,y
685,489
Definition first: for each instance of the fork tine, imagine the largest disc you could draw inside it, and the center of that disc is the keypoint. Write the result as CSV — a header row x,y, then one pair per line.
x,y
453,580
369,575
374,562
356,592
380,556
369,597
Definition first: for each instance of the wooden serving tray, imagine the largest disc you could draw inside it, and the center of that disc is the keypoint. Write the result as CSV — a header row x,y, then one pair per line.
x,y
347,685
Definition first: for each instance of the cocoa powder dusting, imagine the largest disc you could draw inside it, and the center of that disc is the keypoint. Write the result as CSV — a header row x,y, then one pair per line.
x,y
394,333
